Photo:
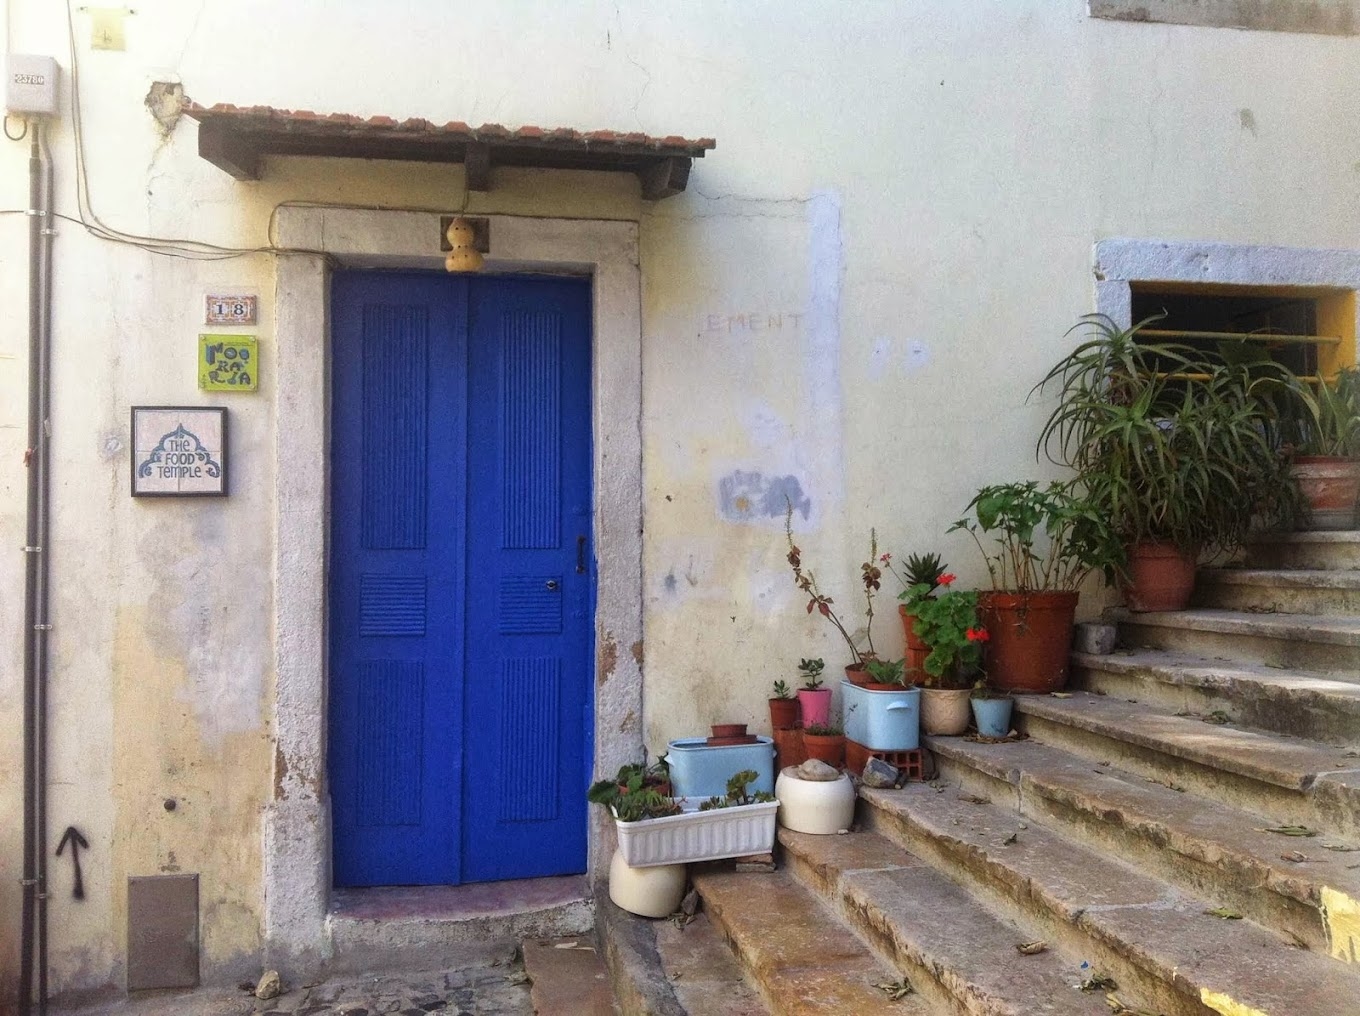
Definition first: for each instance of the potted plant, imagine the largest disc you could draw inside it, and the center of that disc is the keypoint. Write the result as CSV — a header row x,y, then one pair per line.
x,y
870,579
1048,539
921,570
784,711
814,701
1326,451
948,627
825,741
655,830
991,711
885,675
1177,447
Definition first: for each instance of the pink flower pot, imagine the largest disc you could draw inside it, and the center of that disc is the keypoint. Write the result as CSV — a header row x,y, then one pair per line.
x,y
816,705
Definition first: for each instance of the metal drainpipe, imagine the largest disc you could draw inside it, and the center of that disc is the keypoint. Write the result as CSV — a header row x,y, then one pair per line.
x,y
36,575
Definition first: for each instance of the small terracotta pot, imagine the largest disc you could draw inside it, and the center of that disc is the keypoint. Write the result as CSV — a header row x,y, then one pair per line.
x,y
729,730
830,748
856,674
945,710
1331,487
1160,577
916,651
784,713
1029,638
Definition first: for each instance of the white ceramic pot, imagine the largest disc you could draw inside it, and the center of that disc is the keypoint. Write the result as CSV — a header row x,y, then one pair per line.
x,y
647,892
807,806
945,711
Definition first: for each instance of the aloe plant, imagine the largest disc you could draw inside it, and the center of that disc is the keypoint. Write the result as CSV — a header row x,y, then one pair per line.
x,y
1170,442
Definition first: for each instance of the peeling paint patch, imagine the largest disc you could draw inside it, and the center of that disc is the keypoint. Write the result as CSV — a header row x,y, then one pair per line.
x,y
669,581
280,772
629,723
1247,119
636,650
608,659
749,496
1341,919
1221,1003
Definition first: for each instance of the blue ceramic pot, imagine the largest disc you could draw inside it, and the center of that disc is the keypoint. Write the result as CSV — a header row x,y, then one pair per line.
x,y
993,716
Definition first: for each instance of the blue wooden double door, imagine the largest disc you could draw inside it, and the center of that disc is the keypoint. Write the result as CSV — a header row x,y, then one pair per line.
x,y
461,577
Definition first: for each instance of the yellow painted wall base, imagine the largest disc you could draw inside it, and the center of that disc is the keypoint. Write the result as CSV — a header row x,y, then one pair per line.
x,y
1221,1003
1341,918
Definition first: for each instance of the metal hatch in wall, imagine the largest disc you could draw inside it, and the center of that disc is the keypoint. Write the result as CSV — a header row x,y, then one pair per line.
x,y
236,140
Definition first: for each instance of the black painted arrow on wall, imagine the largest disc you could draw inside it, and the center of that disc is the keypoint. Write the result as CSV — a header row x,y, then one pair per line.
x,y
78,843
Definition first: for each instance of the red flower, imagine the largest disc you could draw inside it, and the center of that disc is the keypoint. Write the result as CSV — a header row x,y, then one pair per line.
x,y
977,635
946,578
885,558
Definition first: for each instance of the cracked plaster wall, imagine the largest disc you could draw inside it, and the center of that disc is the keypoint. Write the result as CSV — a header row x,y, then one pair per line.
x,y
849,303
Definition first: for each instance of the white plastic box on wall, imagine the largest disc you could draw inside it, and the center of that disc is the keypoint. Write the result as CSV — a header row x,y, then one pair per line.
x,y
30,85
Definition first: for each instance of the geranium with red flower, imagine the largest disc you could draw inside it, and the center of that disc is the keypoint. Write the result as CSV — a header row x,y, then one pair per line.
x,y
948,624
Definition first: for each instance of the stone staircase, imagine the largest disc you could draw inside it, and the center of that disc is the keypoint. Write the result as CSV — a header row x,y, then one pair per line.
x,y
1132,833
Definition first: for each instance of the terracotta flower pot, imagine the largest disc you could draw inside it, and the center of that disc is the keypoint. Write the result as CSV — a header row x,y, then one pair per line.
x,y
789,750
1160,577
1029,638
856,674
1331,487
830,748
945,710
914,657
784,713
729,730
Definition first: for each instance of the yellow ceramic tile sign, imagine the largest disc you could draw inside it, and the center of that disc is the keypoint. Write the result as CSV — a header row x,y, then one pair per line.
x,y
228,363
1341,918
1221,1003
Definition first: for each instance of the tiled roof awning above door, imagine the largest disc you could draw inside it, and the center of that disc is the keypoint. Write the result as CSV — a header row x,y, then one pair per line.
x,y
236,139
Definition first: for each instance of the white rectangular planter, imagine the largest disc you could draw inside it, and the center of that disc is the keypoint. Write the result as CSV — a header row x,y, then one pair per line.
x,y
698,835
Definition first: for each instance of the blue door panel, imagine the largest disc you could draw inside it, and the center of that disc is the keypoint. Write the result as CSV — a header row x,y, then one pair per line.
x,y
529,469
460,627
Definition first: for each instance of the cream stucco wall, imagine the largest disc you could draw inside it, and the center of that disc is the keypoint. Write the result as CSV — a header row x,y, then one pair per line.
x,y
857,291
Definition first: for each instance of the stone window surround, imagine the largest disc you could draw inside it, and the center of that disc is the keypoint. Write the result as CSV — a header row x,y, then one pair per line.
x,y
296,826
1313,17
1119,263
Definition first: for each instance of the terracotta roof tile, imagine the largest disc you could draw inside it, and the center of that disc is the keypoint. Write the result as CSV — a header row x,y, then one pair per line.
x,y
454,129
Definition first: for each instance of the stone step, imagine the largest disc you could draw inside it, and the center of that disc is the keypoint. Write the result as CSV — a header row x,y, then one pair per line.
x,y
1311,642
955,951
1284,780
567,975
1254,695
1334,550
426,927
1156,941
801,958
1200,844
1281,591
702,971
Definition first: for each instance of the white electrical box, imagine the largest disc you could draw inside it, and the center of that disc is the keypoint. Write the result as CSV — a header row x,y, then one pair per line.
x,y
31,85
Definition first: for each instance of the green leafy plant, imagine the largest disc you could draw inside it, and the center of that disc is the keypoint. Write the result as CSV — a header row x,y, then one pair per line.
x,y
736,793
1047,538
886,671
1329,421
948,624
635,793
1172,443
870,579
825,730
782,690
811,672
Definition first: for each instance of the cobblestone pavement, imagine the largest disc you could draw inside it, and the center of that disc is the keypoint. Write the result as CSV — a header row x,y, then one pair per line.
x,y
483,991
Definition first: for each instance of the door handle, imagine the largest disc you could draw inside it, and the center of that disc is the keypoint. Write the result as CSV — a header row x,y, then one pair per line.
x,y
551,584
580,555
